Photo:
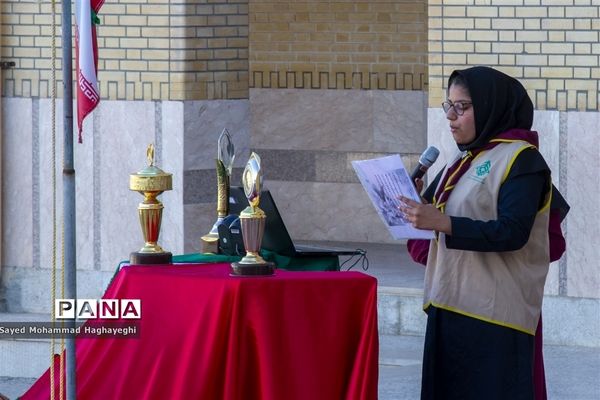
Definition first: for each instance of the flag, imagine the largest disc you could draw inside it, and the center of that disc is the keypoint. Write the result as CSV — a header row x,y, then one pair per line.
x,y
86,48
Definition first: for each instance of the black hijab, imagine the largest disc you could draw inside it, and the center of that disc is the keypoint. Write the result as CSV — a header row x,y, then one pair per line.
x,y
500,103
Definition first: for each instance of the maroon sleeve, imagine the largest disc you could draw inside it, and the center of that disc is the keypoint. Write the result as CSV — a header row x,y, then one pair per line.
x,y
418,250
557,240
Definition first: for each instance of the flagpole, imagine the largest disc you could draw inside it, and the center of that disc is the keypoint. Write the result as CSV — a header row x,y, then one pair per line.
x,y
68,191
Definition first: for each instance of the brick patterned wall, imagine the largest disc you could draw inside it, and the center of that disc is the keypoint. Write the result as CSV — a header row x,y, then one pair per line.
x,y
199,49
551,46
209,49
331,44
148,49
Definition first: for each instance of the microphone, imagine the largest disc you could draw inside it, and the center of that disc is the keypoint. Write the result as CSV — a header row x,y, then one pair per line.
x,y
425,161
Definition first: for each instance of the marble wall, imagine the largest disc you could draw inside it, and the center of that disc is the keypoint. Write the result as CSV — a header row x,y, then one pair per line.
x,y
306,139
568,141
114,145
583,188
18,183
203,123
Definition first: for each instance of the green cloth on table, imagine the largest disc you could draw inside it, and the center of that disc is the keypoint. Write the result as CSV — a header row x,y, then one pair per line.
x,y
329,263
326,263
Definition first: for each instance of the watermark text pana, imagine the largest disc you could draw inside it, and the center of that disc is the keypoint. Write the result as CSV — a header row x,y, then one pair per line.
x,y
97,308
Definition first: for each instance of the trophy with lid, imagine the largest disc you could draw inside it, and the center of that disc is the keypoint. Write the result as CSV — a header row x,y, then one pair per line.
x,y
150,182
252,220
225,158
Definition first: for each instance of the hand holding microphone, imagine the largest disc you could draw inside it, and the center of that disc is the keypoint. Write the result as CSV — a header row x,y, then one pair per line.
x,y
424,216
425,161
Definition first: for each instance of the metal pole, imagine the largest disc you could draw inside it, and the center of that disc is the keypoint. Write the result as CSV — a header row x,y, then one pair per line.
x,y
69,190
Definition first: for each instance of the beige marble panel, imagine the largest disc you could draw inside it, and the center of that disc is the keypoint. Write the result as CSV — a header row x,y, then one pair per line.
x,y
28,290
172,161
45,172
199,219
399,121
17,216
83,154
547,124
328,212
552,279
298,119
126,128
583,190
571,321
204,121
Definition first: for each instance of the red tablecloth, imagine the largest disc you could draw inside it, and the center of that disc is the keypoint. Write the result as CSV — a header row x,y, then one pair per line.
x,y
206,335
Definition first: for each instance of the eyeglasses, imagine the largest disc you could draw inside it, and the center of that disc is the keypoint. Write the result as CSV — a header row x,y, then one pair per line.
x,y
459,107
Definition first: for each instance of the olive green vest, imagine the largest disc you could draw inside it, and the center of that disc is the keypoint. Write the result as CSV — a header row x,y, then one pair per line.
x,y
504,288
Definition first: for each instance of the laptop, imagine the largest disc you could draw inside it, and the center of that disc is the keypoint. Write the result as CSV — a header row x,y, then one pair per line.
x,y
277,238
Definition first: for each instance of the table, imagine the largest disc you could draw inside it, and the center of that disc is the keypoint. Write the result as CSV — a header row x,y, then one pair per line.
x,y
207,335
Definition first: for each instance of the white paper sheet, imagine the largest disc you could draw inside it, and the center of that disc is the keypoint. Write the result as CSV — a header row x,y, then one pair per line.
x,y
384,180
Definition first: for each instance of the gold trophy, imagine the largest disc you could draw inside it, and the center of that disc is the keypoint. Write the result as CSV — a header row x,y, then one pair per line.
x,y
252,220
225,157
150,181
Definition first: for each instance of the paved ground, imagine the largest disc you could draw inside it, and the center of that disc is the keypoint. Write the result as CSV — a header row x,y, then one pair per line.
x,y
572,373
389,263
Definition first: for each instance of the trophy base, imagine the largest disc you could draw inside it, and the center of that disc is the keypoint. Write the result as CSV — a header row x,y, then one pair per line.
x,y
209,243
263,269
137,258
